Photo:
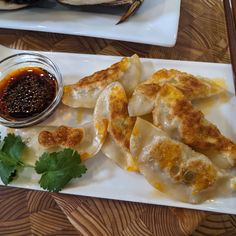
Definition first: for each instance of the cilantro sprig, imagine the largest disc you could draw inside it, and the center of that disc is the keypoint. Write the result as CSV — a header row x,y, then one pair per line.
x,y
56,168
11,149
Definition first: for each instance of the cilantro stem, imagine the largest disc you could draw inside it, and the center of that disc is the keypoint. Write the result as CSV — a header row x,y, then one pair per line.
x,y
21,163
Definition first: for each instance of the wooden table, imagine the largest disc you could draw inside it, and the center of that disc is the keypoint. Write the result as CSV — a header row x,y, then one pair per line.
x,y
202,37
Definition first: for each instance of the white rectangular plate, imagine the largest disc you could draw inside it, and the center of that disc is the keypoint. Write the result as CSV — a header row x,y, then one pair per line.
x,y
156,22
105,179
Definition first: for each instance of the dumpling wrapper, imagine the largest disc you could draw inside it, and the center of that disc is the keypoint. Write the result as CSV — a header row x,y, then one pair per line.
x,y
86,91
174,168
85,140
175,114
112,106
193,87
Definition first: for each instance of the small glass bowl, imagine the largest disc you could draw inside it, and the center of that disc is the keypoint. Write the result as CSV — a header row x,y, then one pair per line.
x,y
22,60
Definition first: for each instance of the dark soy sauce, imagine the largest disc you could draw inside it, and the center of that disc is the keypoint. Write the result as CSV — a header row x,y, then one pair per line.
x,y
26,92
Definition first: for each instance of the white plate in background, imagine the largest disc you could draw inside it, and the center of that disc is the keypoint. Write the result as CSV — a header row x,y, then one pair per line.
x,y
104,179
156,22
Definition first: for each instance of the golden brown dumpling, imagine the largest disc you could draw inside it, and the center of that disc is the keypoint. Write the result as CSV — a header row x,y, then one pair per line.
x,y
192,87
85,140
175,114
174,168
112,106
86,91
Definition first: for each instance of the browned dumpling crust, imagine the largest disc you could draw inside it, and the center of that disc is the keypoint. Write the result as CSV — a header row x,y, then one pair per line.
x,y
192,87
150,90
103,77
85,92
120,125
112,105
65,136
174,168
175,114
169,156
87,139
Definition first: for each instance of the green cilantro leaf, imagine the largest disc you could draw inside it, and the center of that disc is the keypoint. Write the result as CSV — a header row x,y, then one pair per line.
x,y
58,168
11,149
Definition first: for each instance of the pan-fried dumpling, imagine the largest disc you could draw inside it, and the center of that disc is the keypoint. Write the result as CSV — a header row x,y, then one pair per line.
x,y
174,168
112,106
176,115
192,87
143,99
85,140
86,91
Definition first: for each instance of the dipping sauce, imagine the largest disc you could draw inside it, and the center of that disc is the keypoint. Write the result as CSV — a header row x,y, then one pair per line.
x,y
26,92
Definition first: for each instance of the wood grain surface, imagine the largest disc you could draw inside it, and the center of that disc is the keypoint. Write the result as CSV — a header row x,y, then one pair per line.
x,y
202,37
